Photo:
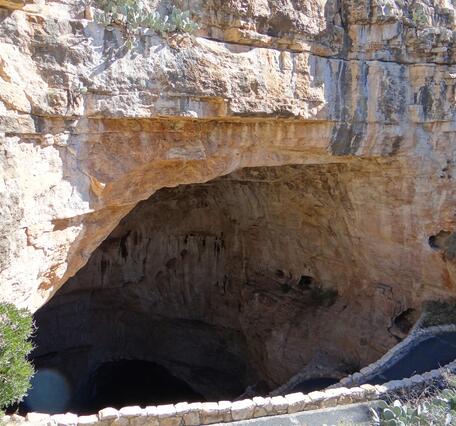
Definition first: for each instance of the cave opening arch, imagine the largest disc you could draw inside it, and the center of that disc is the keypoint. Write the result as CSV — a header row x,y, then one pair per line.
x,y
230,287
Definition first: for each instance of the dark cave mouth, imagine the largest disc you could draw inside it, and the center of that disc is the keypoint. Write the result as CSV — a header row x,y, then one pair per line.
x,y
125,383
114,384
214,366
167,361
121,383
216,291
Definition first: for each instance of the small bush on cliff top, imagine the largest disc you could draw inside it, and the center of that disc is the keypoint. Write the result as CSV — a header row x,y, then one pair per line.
x,y
16,327
134,15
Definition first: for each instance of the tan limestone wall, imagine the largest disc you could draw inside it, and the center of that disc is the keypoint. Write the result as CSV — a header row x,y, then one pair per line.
x,y
262,84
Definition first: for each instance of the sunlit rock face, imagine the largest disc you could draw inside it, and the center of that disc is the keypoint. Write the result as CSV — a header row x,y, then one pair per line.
x,y
246,280
272,195
262,83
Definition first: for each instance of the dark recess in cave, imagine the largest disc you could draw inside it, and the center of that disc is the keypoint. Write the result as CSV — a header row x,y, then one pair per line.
x,y
122,383
113,384
311,385
406,319
305,282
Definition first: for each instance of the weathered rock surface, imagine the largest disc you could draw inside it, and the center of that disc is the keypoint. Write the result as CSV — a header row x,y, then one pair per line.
x,y
364,85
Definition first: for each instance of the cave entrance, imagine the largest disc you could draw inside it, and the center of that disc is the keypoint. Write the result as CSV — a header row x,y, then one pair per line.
x,y
227,289
112,384
121,383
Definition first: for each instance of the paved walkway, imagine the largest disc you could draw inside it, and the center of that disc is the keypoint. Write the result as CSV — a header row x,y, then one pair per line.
x,y
345,415
433,352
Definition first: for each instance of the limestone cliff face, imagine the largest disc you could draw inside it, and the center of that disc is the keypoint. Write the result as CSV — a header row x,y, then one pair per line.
x,y
366,86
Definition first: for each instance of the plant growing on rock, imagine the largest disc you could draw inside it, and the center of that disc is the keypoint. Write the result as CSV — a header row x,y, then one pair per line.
x,y
437,409
438,313
397,414
321,296
16,327
419,18
135,15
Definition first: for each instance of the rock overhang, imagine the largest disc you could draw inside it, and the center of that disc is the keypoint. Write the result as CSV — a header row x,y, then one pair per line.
x,y
332,85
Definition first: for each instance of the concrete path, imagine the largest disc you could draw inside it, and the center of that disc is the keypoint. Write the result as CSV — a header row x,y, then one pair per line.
x,y
345,415
433,352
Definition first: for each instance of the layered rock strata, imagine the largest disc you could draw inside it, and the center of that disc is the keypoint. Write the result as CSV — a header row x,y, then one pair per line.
x,y
263,83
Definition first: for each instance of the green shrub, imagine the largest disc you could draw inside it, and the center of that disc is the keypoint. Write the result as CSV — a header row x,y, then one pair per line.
x,y
134,15
323,296
438,409
419,18
398,414
286,288
16,327
438,313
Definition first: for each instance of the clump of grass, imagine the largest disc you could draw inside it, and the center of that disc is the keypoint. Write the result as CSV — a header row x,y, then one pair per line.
x,y
16,327
439,313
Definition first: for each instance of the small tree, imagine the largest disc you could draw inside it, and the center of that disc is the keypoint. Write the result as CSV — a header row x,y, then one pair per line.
x,y
16,327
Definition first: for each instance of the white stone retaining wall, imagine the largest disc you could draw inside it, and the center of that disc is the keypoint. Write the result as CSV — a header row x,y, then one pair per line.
x,y
206,413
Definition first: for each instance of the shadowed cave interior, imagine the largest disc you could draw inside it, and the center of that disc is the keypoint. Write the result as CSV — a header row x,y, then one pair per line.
x,y
219,290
